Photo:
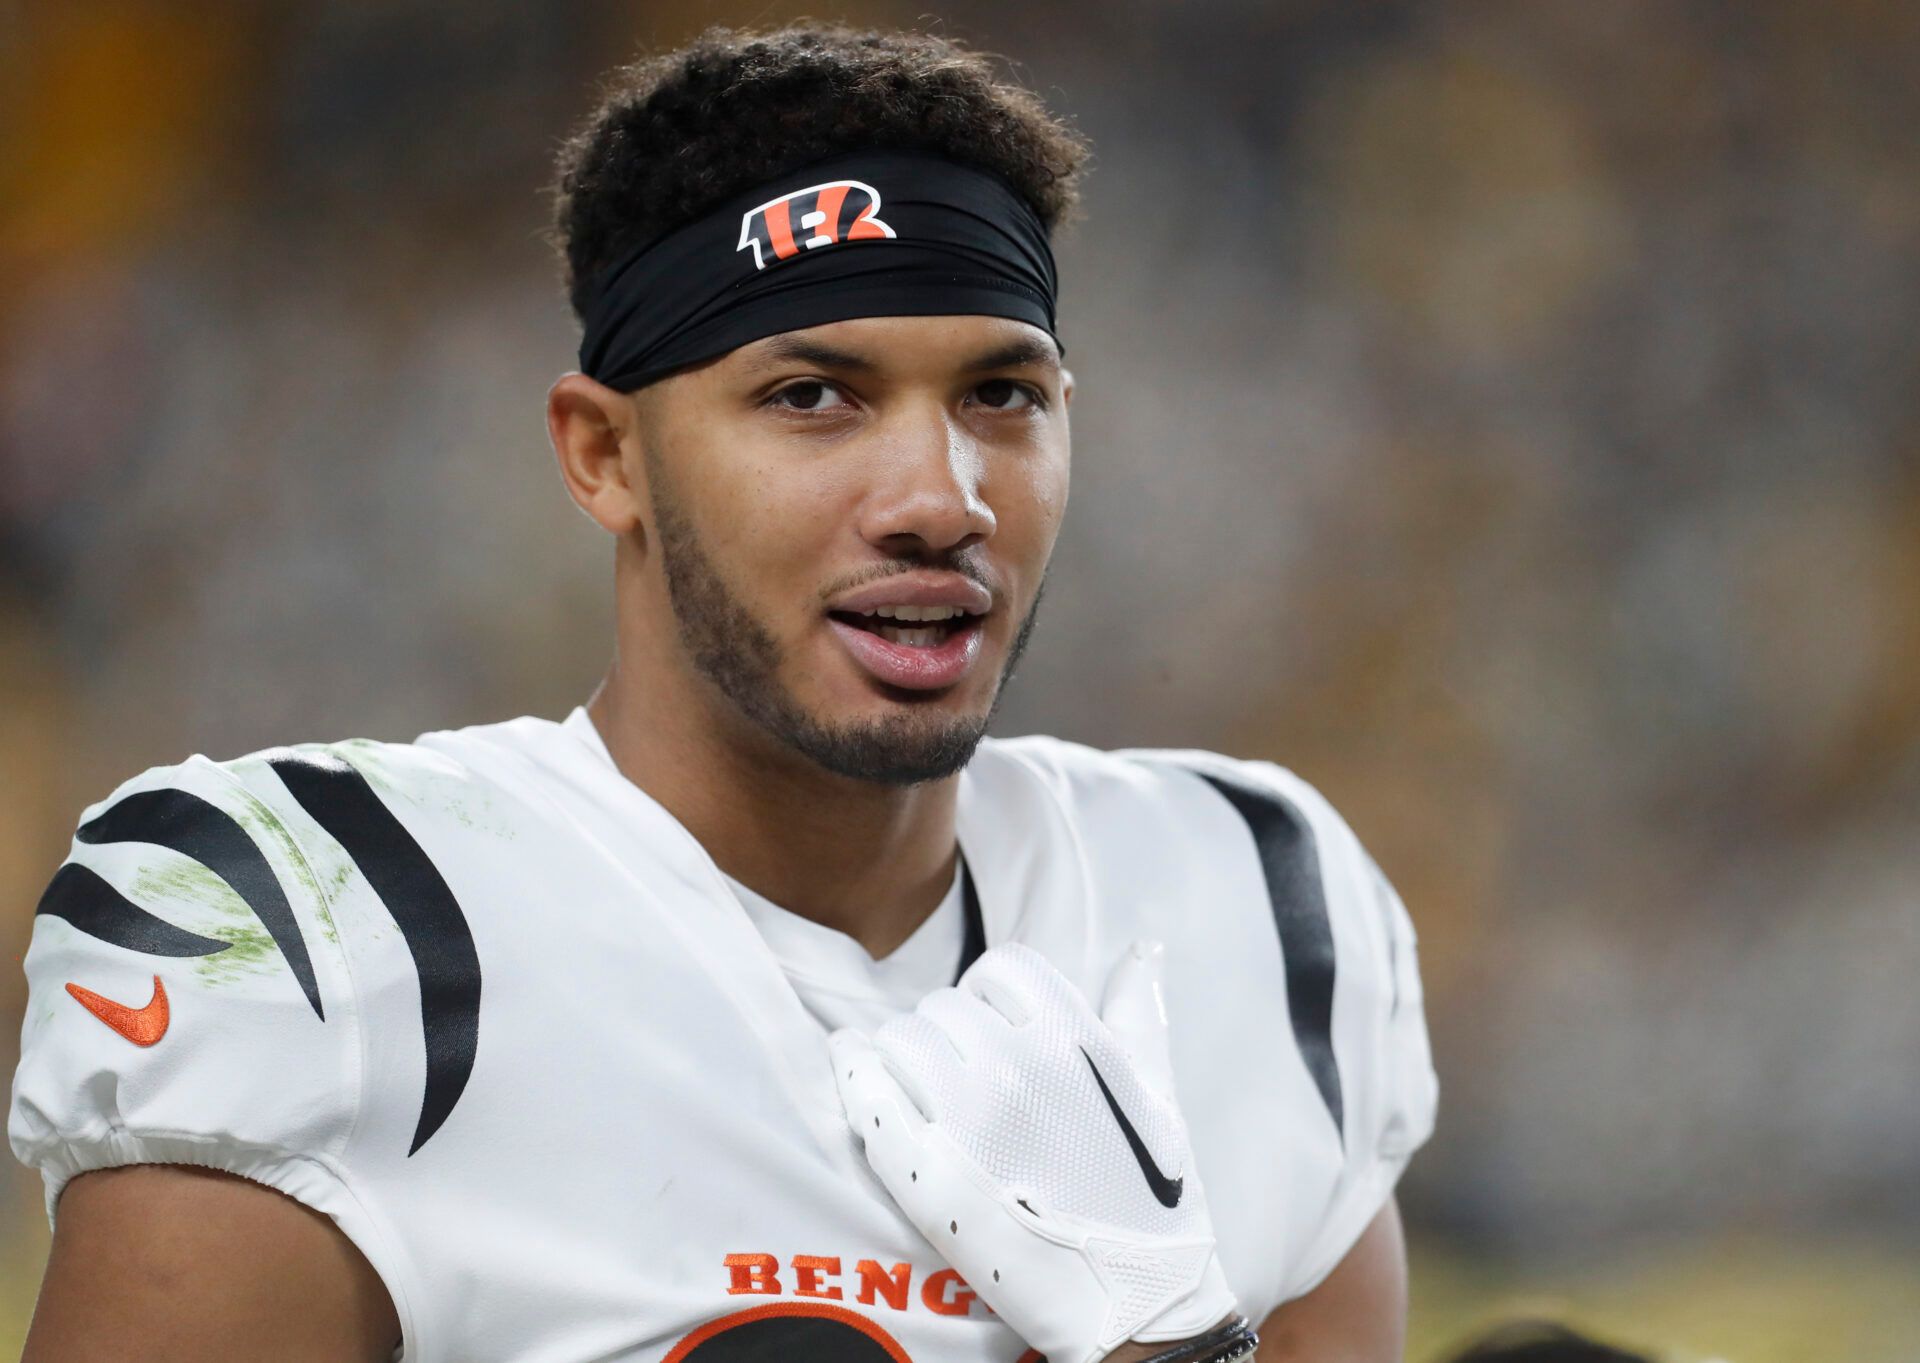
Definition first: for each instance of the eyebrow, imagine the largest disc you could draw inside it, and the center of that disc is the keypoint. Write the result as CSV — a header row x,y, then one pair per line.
x,y
800,350
1017,354
1027,350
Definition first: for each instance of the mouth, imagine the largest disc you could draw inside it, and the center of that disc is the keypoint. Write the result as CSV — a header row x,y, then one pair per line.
x,y
917,648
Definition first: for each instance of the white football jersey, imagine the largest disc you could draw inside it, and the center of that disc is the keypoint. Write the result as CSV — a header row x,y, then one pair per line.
x,y
488,1006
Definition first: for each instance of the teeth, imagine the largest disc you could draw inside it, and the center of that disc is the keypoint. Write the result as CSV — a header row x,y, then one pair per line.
x,y
916,612
914,638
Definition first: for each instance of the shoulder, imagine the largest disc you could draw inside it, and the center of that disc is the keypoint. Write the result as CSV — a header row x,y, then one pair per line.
x,y
1251,860
386,805
201,805
1271,844
249,858
1184,784
1272,849
197,982
184,962
205,960
191,861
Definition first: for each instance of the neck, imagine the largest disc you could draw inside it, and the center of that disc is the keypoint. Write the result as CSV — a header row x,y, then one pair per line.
x,y
869,860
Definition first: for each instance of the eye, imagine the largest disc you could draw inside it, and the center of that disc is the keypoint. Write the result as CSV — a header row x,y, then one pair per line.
x,y
1008,395
810,395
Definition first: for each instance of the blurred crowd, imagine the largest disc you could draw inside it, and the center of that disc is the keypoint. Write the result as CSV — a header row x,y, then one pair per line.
x,y
1507,415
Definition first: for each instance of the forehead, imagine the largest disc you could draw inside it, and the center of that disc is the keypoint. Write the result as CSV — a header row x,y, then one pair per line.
x,y
966,343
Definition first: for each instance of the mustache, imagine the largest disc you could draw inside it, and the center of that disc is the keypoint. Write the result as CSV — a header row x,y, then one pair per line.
x,y
968,563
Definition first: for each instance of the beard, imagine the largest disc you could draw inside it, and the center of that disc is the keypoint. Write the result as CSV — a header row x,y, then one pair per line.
x,y
739,655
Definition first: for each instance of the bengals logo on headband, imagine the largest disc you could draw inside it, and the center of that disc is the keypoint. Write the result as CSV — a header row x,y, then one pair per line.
x,y
840,210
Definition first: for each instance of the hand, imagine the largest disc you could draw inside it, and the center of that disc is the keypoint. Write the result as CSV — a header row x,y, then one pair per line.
x,y
1038,1148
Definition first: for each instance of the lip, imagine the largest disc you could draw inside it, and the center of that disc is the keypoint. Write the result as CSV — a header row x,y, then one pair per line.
x,y
917,589
908,667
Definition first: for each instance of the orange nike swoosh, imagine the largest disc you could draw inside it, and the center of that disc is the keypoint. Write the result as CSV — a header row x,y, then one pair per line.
x,y
141,1026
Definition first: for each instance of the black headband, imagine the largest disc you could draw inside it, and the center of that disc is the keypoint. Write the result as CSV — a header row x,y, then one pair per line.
x,y
874,234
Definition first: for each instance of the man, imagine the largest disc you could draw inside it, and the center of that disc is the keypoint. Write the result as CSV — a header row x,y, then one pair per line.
x,y
638,1035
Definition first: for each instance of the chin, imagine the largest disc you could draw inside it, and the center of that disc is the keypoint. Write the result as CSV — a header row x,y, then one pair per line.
x,y
901,746
868,701
891,735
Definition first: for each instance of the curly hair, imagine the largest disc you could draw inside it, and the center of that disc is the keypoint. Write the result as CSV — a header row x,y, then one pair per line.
x,y
677,133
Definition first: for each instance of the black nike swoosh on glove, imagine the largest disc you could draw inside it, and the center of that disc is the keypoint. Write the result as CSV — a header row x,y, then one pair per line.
x,y
1165,1190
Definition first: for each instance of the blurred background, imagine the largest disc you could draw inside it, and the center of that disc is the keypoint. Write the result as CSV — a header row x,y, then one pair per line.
x,y
1507,415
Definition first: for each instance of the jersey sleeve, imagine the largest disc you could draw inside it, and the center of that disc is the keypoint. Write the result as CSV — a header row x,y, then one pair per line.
x,y
188,998
1389,1092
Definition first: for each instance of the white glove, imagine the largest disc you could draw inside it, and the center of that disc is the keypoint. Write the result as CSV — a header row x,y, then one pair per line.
x,y
1038,1148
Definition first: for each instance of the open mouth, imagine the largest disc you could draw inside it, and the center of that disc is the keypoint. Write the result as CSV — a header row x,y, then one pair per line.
x,y
914,648
911,626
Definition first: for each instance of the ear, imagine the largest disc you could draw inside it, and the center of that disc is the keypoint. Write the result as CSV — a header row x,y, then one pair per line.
x,y
594,433
1066,387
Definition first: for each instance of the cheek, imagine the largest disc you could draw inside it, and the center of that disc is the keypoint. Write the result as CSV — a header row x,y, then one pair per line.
x,y
1030,514
778,532
743,489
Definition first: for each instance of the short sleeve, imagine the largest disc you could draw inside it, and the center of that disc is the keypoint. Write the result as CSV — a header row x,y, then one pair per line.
x,y
188,1002
1349,979
1379,1033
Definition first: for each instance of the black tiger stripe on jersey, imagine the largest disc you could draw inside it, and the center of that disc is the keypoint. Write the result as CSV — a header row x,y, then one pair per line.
x,y
1290,861
429,918
78,894
973,942
187,824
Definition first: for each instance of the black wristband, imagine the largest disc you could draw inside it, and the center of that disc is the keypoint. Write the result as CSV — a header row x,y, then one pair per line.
x,y
1236,1339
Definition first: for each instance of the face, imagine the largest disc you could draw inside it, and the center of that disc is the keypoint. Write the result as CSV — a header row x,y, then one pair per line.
x,y
852,525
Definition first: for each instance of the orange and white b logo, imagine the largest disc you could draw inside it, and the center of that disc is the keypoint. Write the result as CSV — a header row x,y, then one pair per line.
x,y
821,215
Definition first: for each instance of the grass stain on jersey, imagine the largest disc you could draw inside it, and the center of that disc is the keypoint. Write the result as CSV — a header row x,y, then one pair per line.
x,y
337,877
250,950
366,756
190,890
480,820
262,824
434,784
185,890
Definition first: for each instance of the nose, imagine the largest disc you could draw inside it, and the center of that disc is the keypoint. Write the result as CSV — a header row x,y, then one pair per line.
x,y
928,496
